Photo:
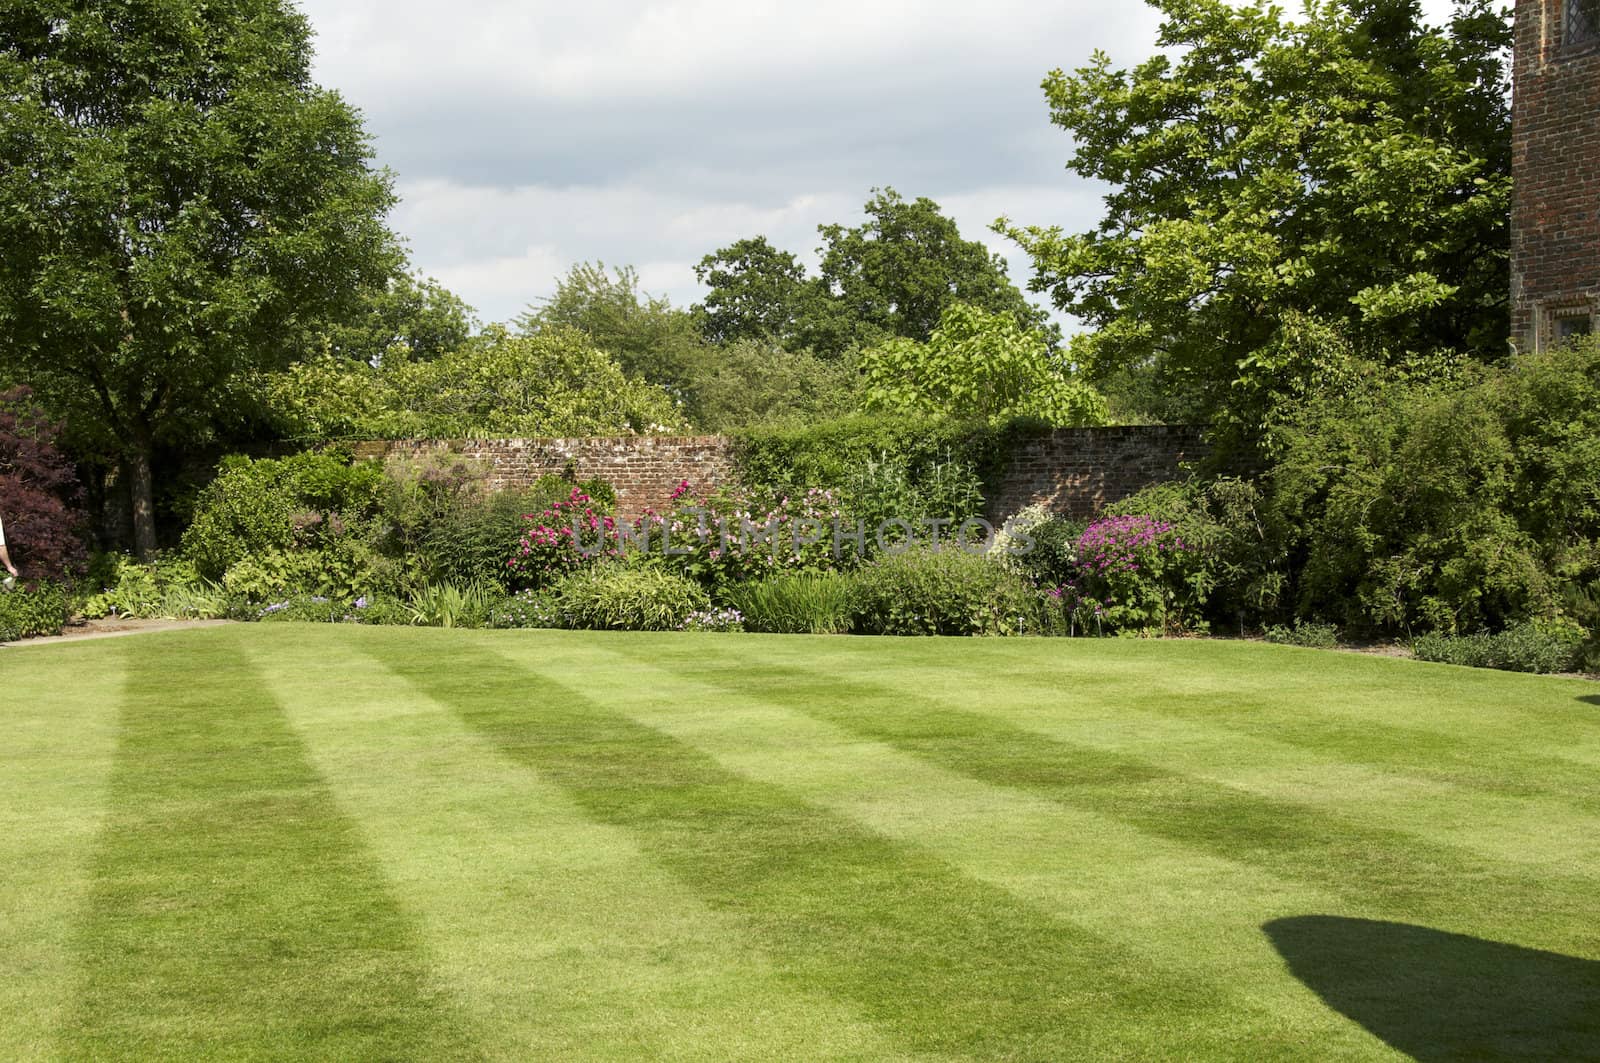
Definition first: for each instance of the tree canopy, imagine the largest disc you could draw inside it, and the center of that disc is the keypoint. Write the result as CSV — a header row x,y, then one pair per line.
x,y
1346,173
176,198
891,276
554,383
980,366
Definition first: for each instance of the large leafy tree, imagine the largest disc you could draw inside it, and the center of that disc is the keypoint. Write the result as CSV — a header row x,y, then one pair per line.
x,y
891,276
1282,188
980,366
553,383
177,200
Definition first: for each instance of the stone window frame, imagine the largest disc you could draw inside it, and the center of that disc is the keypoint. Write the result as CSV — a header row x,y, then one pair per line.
x,y
1566,17
1556,311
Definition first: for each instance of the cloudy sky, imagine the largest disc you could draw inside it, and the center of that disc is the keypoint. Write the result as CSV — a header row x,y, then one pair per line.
x,y
531,134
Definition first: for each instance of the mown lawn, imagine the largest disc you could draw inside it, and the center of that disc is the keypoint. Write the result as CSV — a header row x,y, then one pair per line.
x,y
284,842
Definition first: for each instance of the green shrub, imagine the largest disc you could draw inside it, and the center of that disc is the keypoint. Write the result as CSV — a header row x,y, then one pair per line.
x,y
1304,633
623,598
941,592
1523,648
443,526
305,500
449,605
34,612
801,603
169,589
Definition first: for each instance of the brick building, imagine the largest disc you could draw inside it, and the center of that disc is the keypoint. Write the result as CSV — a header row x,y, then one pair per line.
x,y
1555,223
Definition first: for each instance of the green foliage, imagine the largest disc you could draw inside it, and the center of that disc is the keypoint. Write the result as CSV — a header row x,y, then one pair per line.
x,y
940,592
1304,633
169,589
979,366
1454,499
266,506
1523,648
800,603
1231,569
758,293
33,612
626,598
746,383
443,526
176,197
528,609
451,605
554,383
646,335
845,455
894,275
414,313
1280,180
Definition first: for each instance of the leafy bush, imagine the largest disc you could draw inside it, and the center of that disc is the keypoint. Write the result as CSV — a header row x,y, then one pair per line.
x,y
39,493
1304,633
1523,648
800,603
275,504
33,612
940,592
1137,565
1450,496
557,383
624,598
169,589
1039,546
444,526
569,536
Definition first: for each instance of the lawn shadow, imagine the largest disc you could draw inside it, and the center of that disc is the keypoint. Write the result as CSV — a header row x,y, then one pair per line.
x,y
1438,996
1589,699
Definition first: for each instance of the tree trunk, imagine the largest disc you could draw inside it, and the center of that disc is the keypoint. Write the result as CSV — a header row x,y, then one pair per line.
x,y
142,491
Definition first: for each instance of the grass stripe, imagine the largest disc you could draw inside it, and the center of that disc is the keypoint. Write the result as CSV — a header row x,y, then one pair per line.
x,y
1488,759
946,963
557,935
1391,871
57,743
1169,906
234,913
1283,756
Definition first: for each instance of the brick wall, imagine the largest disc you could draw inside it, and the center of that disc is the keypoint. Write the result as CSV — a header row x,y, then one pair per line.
x,y
1077,471
644,470
1555,222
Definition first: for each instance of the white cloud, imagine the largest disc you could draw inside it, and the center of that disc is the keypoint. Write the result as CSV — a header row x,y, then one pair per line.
x,y
529,134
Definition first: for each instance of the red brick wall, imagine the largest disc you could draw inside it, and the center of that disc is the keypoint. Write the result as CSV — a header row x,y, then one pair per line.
x,y
644,470
1555,221
1075,471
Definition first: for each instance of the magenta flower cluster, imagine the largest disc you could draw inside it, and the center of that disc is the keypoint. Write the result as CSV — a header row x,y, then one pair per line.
x,y
1122,544
551,548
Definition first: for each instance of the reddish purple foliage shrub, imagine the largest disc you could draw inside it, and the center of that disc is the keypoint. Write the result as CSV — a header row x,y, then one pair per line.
x,y
40,497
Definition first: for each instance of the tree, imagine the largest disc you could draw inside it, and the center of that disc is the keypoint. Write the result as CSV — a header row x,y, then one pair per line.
x,y
893,275
554,383
1346,176
981,366
415,312
39,491
176,197
757,293
646,334
907,263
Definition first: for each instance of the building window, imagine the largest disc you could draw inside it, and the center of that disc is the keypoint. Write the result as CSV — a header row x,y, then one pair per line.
x,y
1569,322
1581,25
